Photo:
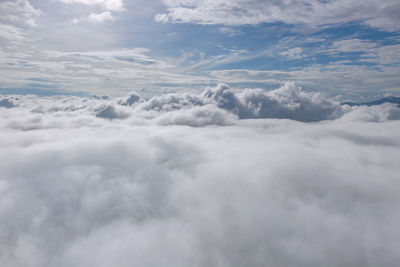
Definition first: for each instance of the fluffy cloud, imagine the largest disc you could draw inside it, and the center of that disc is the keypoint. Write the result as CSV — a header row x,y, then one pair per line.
x,y
78,190
101,17
289,101
380,14
109,111
218,105
130,99
108,6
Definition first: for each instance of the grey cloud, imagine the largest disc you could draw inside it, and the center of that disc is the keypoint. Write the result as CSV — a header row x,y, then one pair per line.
x,y
7,103
130,99
11,33
110,111
198,117
289,101
19,12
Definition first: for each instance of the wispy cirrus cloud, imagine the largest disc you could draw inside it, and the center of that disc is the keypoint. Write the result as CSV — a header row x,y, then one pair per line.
x,y
315,12
293,53
368,51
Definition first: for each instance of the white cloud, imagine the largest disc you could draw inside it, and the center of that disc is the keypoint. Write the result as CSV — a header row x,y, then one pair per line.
x,y
94,71
230,31
353,45
19,12
370,51
11,33
388,54
110,5
380,14
77,190
293,53
335,78
106,15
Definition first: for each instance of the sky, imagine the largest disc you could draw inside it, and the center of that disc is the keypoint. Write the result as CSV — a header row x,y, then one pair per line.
x,y
199,133
347,49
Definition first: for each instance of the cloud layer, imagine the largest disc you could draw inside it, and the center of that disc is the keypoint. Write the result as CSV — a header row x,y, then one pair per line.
x,y
380,14
82,185
215,105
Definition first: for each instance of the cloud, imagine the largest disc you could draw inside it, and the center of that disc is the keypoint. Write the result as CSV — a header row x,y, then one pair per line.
x,y
109,111
101,17
130,99
77,190
289,102
313,13
5,102
293,53
335,78
379,113
218,105
12,33
197,117
370,51
19,13
230,31
110,5
353,45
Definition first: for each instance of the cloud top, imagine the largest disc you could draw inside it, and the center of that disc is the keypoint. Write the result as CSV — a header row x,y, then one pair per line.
x,y
219,105
82,186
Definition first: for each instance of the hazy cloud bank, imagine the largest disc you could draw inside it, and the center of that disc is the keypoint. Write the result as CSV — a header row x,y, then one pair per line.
x,y
77,189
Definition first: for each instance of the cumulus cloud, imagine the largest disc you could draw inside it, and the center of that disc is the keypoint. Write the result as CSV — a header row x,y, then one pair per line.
x,y
109,111
108,6
218,105
289,101
79,190
380,14
130,99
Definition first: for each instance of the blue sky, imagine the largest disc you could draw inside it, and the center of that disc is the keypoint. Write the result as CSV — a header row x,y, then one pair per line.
x,y
344,48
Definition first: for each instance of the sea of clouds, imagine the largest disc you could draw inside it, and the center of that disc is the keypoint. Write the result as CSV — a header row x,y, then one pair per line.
x,y
221,178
